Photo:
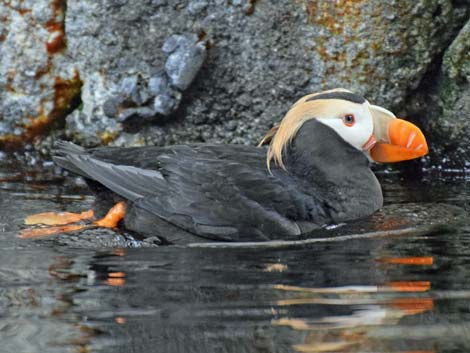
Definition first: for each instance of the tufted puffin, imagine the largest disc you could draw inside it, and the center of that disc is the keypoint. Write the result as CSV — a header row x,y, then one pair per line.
x,y
311,169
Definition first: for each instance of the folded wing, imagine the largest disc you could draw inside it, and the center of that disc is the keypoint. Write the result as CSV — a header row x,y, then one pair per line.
x,y
215,191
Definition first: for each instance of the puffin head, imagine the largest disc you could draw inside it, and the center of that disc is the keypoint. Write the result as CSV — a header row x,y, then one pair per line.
x,y
374,130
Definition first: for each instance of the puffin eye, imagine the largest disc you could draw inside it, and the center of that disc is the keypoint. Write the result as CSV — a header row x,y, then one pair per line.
x,y
349,120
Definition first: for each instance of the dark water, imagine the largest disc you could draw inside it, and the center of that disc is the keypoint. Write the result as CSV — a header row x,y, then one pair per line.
x,y
408,293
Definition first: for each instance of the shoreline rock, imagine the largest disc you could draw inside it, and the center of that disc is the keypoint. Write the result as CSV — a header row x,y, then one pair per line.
x,y
228,69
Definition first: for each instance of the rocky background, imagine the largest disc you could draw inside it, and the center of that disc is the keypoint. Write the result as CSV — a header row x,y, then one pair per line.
x,y
173,71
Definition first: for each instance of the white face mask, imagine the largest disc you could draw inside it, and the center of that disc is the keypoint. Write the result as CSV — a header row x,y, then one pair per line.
x,y
352,121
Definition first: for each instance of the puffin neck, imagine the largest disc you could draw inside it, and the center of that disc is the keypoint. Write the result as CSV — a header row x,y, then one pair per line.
x,y
334,171
318,152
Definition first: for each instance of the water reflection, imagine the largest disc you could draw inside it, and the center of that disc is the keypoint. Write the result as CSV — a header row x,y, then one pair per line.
x,y
327,298
36,302
368,307
399,294
126,297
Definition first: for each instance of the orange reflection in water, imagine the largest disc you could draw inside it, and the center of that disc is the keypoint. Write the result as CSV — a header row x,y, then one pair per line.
x,y
355,332
120,320
54,230
409,286
415,260
412,306
119,252
116,279
278,267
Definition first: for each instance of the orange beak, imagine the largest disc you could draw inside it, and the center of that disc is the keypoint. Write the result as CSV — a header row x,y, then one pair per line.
x,y
396,139
400,141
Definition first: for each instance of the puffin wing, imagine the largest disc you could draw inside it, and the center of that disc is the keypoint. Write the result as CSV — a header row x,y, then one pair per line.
x,y
217,192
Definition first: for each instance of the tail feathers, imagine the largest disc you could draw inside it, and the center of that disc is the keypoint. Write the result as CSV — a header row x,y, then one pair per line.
x,y
63,150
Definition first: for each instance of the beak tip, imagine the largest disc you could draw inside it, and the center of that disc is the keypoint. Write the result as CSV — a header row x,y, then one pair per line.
x,y
423,148
406,142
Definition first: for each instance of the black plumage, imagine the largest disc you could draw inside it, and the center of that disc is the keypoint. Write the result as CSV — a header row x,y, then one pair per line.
x,y
194,192
346,96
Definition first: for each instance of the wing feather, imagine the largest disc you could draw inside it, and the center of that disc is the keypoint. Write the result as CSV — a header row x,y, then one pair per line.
x,y
217,192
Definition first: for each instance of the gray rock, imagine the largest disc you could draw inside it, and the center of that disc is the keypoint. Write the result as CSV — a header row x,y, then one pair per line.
x,y
196,7
134,74
89,125
158,84
5,128
173,42
259,64
135,90
441,105
137,98
159,2
104,238
166,99
140,112
129,86
456,83
450,111
36,88
263,56
165,103
112,106
186,57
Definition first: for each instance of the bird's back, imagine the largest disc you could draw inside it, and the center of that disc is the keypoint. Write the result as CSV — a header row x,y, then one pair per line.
x,y
221,192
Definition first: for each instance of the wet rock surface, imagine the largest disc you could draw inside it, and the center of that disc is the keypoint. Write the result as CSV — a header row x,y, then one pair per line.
x,y
448,102
393,220
160,72
455,89
102,238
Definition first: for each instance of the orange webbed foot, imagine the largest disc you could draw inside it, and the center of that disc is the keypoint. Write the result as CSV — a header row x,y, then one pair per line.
x,y
55,219
66,222
113,217
62,222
